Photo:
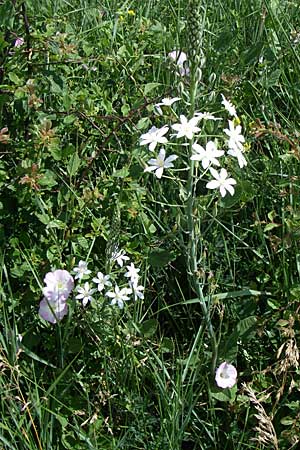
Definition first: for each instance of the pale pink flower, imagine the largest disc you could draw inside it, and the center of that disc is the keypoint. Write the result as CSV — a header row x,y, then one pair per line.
x,y
226,375
53,311
59,285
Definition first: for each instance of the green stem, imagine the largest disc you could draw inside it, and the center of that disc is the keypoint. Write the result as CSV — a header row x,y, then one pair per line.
x,y
192,243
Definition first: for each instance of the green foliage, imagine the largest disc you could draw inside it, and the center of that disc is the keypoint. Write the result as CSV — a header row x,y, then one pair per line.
x,y
75,98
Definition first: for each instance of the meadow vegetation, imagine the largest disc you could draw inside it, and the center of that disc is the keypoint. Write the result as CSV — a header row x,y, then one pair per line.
x,y
150,224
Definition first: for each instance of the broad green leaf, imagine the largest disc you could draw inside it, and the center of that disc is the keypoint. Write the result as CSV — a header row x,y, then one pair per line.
x,y
73,165
150,87
148,328
160,257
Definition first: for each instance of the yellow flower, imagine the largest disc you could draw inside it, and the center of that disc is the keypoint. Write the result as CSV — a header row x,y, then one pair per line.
x,y
130,12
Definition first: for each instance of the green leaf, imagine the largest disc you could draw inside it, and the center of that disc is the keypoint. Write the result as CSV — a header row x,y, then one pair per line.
x,y
14,78
55,223
160,257
166,345
148,328
150,87
271,226
48,179
245,326
122,173
73,164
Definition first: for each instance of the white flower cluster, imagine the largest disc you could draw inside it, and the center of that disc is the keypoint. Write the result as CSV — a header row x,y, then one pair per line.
x,y
60,283
208,156
103,282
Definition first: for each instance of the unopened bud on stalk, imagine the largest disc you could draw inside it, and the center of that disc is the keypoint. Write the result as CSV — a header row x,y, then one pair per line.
x,y
194,32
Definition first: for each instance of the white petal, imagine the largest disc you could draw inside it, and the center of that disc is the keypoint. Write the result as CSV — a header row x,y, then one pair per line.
x,y
159,172
214,184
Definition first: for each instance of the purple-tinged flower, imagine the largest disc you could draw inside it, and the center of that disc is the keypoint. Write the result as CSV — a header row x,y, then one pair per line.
x,y
19,42
59,285
53,311
226,375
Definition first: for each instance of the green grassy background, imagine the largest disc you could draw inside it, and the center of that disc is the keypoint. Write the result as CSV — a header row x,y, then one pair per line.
x,y
75,98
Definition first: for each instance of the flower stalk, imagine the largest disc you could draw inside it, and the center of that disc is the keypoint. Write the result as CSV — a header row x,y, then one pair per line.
x,y
194,50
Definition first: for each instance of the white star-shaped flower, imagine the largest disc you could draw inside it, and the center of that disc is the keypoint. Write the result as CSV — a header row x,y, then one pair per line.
x,y
120,257
221,182
186,128
208,155
81,270
102,281
206,116
228,106
137,290
168,102
85,293
132,273
154,136
237,153
160,163
236,139
119,296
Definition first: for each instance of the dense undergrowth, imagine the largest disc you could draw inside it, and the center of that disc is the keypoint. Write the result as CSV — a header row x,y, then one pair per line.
x,y
78,85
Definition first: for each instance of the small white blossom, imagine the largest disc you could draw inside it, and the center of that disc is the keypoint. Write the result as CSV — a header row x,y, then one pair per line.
x,y
221,182
186,128
237,153
137,290
120,257
119,296
168,102
180,59
81,270
102,281
228,106
160,163
85,293
226,375
132,273
206,116
154,136
208,155
236,139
